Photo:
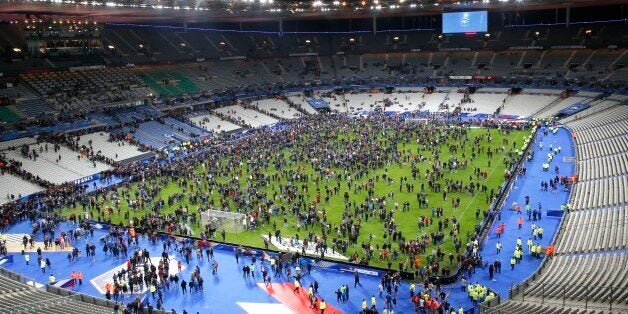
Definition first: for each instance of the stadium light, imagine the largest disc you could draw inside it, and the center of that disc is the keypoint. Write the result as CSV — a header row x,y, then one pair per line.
x,y
351,41
17,50
396,39
111,47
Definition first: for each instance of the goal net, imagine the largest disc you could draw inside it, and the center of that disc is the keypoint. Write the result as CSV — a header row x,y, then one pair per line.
x,y
218,220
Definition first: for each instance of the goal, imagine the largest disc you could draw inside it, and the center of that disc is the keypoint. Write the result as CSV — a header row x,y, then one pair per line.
x,y
223,220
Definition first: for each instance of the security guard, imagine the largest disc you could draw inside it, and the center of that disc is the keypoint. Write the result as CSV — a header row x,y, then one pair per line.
x,y
322,306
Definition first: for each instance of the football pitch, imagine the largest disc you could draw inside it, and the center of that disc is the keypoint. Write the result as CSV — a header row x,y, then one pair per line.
x,y
291,181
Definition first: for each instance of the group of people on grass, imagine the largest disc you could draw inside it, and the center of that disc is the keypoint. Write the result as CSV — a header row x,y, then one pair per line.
x,y
293,189
290,176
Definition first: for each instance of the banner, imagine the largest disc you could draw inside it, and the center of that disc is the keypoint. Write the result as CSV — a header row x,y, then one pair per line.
x,y
86,67
303,54
87,179
569,47
483,77
454,49
340,267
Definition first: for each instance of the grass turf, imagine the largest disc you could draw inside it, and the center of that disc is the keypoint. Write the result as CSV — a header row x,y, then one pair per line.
x,y
407,221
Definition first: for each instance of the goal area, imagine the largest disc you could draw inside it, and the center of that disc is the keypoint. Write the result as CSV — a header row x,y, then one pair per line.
x,y
223,220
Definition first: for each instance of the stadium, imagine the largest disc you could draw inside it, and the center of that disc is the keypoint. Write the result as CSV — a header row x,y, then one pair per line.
x,y
274,156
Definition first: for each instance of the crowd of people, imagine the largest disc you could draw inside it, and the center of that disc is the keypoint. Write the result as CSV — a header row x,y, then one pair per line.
x,y
241,183
288,193
317,146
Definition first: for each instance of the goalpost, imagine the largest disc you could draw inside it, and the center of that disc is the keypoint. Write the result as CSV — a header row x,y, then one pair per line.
x,y
422,121
223,220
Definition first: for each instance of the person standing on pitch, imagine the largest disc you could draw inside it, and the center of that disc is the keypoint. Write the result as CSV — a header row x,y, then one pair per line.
x,y
356,279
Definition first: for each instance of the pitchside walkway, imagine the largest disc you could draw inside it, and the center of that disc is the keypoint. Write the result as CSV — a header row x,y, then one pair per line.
x,y
528,185
227,292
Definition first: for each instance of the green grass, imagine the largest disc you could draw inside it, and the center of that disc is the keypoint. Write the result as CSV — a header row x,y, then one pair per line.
x,y
184,85
8,115
407,221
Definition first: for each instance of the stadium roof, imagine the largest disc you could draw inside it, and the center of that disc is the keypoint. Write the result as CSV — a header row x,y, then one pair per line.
x,y
262,10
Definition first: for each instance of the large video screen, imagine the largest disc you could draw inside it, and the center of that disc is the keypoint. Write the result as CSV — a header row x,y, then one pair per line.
x,y
465,22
